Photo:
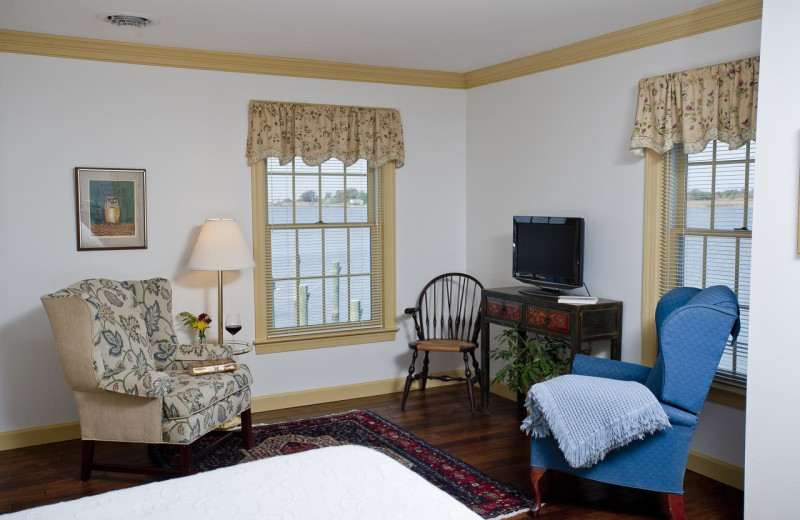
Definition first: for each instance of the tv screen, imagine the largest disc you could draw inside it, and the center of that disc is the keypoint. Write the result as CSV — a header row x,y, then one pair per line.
x,y
548,251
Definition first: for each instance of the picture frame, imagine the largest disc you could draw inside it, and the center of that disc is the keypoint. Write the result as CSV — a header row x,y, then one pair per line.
x,y
111,208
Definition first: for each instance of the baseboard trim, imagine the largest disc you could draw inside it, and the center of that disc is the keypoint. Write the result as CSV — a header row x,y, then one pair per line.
x,y
502,390
716,469
39,435
47,434
267,403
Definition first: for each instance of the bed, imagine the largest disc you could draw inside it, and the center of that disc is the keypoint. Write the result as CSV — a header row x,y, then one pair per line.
x,y
340,482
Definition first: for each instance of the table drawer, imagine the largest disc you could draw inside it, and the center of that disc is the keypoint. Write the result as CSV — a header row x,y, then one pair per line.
x,y
504,309
549,319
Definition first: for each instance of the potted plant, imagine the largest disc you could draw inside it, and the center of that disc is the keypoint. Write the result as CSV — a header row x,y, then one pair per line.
x,y
528,361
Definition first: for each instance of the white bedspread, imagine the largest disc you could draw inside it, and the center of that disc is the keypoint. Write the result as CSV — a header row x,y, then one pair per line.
x,y
341,482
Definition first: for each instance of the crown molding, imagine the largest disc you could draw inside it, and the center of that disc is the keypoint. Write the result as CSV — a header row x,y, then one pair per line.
x,y
121,52
690,23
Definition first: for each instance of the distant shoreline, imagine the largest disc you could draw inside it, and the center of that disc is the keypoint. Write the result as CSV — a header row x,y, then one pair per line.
x,y
719,202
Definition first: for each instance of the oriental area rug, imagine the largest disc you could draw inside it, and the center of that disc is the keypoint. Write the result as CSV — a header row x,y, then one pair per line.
x,y
484,495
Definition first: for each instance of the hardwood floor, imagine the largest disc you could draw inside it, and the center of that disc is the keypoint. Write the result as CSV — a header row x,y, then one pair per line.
x,y
46,474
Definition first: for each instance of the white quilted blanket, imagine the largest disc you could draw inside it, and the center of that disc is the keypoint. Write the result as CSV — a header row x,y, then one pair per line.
x,y
341,482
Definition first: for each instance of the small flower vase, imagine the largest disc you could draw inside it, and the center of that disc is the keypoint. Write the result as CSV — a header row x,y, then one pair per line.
x,y
202,337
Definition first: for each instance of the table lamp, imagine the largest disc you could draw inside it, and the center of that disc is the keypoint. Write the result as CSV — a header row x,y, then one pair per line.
x,y
220,247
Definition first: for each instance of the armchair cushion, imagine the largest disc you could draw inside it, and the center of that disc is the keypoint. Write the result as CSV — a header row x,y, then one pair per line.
x,y
185,430
608,368
192,394
171,356
678,417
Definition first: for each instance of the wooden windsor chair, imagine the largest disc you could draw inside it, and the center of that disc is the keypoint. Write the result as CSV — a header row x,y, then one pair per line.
x,y
447,318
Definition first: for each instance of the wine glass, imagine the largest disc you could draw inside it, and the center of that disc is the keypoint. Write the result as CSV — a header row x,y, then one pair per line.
x,y
233,323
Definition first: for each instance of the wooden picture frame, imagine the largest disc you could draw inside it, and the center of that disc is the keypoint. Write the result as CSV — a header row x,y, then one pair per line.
x,y
110,208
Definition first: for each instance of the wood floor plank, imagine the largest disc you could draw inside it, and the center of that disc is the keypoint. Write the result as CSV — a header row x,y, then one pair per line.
x,y
493,444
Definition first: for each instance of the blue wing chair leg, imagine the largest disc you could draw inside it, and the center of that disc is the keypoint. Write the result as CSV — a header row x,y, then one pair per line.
x,y
676,506
536,505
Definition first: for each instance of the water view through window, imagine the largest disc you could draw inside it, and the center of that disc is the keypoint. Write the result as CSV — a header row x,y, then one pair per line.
x,y
323,229
714,239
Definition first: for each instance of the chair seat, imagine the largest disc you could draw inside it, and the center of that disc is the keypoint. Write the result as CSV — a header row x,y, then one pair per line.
x,y
192,394
443,345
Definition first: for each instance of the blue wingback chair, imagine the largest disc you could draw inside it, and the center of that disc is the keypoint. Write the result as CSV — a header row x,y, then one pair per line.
x,y
692,328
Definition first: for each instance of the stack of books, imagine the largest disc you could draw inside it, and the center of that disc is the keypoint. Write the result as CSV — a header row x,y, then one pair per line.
x,y
202,368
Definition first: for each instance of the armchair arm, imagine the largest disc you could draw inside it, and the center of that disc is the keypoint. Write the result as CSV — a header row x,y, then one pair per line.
x,y
411,311
172,356
137,382
608,368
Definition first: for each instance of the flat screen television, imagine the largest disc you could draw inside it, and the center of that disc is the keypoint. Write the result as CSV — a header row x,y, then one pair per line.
x,y
548,252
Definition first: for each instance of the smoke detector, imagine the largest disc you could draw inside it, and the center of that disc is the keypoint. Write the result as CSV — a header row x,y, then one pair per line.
x,y
134,21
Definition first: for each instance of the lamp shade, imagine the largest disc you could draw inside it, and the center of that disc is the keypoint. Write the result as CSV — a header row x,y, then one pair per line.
x,y
220,247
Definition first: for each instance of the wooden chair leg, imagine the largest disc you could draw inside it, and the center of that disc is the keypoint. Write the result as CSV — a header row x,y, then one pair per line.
x,y
536,474
477,367
468,375
409,379
676,506
187,462
425,371
87,457
247,429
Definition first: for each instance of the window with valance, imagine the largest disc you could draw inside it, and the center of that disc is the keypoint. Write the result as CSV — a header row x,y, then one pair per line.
x,y
323,220
696,129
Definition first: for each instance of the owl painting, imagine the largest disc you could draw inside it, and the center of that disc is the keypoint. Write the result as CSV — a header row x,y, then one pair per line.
x,y
111,209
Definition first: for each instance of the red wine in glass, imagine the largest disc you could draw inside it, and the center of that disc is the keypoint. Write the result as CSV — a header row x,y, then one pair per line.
x,y
233,323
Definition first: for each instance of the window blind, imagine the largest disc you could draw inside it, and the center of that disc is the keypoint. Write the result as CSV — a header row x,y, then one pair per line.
x,y
706,232
323,247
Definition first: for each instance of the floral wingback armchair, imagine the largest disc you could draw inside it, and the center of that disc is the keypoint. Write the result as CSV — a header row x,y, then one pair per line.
x,y
120,356
693,327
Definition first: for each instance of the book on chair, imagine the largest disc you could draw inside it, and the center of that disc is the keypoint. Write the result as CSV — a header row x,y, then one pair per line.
x,y
214,366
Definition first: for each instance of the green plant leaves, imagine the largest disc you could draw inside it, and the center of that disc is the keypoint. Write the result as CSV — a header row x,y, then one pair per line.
x,y
529,360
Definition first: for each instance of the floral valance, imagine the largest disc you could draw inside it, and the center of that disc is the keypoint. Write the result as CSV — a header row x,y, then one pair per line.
x,y
697,106
321,132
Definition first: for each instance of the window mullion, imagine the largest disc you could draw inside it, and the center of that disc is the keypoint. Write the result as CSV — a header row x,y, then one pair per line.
x,y
713,197
322,243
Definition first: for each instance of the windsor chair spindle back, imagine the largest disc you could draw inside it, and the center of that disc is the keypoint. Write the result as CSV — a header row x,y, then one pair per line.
x,y
447,318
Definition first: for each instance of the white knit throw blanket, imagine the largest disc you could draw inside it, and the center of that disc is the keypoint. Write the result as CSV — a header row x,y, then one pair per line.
x,y
590,416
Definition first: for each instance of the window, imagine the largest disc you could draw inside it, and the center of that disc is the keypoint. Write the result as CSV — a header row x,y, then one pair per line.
x,y
325,254
704,232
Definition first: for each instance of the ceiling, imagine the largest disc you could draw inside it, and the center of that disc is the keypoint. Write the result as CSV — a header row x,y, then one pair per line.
x,y
445,35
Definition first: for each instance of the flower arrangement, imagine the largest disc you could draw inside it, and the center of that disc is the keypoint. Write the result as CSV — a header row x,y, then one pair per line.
x,y
199,323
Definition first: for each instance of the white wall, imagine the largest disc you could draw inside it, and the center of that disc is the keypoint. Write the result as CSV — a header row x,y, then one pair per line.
x,y
556,143
187,128
773,423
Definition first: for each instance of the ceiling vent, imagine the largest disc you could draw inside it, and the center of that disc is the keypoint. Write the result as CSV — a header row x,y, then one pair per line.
x,y
127,20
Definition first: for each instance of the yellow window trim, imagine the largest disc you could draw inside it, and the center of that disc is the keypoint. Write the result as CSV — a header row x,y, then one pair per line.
x,y
388,332
723,394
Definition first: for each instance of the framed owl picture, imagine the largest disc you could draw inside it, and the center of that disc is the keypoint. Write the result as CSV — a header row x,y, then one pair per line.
x,y
110,208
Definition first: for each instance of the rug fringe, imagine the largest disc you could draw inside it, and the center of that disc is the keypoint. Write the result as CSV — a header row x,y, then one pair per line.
x,y
509,515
